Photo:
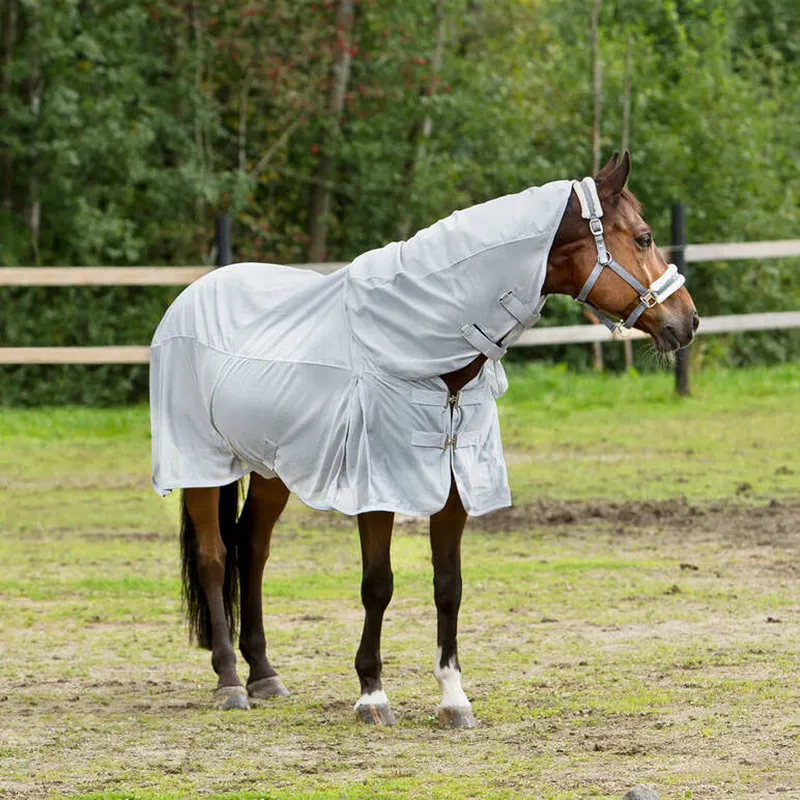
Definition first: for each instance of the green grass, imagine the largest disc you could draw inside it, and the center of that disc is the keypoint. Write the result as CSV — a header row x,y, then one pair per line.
x,y
593,436
595,660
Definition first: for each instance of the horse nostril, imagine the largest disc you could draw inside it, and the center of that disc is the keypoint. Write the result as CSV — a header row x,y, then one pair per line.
x,y
695,322
672,331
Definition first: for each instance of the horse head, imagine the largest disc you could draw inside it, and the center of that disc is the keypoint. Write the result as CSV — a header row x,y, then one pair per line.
x,y
609,261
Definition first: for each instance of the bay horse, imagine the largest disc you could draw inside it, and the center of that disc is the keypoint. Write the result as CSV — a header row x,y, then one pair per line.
x,y
209,382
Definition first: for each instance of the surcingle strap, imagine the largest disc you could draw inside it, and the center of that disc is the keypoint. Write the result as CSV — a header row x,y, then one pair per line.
x,y
526,315
482,343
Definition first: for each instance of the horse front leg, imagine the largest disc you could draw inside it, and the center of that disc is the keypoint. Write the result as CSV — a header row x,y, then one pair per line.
x,y
377,583
210,585
446,528
265,502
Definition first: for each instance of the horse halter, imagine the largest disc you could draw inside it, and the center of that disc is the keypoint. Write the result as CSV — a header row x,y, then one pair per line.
x,y
658,291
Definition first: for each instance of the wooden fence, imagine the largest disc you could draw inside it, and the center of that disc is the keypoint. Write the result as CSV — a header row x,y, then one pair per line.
x,y
180,276
535,337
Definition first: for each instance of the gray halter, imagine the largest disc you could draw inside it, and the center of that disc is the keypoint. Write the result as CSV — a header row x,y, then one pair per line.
x,y
659,290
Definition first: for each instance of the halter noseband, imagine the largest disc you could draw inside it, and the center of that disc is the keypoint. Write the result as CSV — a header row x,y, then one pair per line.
x,y
659,290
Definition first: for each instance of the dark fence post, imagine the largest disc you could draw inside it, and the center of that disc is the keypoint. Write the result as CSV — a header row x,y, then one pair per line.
x,y
222,236
678,258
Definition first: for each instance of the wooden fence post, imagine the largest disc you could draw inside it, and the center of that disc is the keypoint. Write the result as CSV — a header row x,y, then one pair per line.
x,y
679,259
222,237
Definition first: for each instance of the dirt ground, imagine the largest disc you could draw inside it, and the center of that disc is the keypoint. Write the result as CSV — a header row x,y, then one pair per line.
x,y
605,644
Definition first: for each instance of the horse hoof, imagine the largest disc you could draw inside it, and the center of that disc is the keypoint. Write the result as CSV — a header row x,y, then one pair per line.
x,y
457,717
230,697
267,687
375,714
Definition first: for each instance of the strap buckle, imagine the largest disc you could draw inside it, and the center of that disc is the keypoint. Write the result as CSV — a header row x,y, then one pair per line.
x,y
596,226
621,331
452,400
450,441
650,299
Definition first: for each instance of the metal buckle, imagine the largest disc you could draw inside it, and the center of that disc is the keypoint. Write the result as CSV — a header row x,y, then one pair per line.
x,y
620,332
452,400
450,441
650,299
617,329
596,226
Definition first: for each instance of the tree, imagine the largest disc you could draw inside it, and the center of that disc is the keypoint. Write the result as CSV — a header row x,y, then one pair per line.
x,y
340,75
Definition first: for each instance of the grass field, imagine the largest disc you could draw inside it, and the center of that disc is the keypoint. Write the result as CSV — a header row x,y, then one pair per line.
x,y
634,618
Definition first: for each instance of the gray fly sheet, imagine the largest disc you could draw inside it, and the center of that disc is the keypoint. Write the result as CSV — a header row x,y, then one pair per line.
x,y
331,382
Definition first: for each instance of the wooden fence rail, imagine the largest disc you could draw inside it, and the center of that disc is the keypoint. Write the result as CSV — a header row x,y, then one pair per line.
x,y
181,276
117,276
535,337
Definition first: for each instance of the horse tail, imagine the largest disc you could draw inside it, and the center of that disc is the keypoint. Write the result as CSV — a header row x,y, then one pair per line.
x,y
194,599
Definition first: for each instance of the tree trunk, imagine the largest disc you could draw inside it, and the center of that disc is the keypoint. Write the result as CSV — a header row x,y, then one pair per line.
x,y
626,129
626,96
597,99
321,193
421,130
467,39
9,36
244,96
199,145
35,102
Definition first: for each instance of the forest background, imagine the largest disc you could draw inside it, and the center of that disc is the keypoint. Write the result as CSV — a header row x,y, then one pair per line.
x,y
327,128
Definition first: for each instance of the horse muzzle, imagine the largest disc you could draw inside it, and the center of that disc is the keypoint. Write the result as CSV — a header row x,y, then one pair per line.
x,y
676,332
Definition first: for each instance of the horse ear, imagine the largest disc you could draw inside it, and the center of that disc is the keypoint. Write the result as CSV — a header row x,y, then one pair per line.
x,y
610,164
613,182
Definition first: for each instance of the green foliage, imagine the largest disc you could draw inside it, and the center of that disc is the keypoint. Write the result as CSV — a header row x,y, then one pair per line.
x,y
127,127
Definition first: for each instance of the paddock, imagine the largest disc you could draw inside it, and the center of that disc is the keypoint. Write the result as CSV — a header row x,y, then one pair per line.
x,y
634,618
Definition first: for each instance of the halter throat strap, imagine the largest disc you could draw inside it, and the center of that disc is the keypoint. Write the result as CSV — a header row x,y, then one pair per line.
x,y
658,291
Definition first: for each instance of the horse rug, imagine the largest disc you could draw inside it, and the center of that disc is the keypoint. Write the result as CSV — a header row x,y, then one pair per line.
x,y
331,382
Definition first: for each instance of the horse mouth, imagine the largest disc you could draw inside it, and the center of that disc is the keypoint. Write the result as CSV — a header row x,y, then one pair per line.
x,y
676,333
668,340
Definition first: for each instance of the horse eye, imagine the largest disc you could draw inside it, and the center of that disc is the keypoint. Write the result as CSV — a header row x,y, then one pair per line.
x,y
644,241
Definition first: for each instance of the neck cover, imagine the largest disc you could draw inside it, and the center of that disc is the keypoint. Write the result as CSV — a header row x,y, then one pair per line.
x,y
429,305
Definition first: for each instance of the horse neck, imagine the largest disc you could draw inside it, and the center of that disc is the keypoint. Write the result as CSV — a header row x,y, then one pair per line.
x,y
570,239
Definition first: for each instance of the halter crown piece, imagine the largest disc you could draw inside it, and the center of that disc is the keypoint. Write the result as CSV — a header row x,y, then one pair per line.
x,y
658,291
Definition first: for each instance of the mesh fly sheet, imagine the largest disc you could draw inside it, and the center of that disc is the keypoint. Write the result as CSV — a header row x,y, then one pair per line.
x,y
332,382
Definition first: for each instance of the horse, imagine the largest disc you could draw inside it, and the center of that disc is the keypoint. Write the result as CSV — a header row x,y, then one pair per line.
x,y
413,339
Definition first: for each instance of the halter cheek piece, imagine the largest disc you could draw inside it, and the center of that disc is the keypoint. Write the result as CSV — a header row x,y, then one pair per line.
x,y
659,290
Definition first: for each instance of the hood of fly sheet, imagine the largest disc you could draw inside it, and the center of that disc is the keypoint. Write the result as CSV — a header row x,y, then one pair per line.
x,y
407,302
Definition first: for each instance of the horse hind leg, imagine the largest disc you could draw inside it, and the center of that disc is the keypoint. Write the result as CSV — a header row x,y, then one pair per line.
x,y
210,585
266,500
375,530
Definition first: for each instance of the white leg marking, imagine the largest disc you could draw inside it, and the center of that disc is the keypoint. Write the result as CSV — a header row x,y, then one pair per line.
x,y
449,678
373,699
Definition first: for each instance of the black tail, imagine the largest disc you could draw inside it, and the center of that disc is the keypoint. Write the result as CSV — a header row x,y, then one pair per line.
x,y
194,598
